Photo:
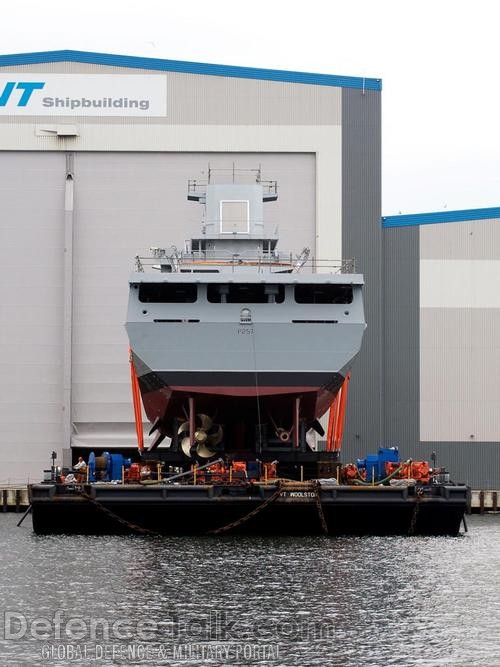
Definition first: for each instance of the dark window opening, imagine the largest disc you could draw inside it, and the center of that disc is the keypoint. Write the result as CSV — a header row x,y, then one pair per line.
x,y
245,293
167,293
178,321
200,271
323,293
313,321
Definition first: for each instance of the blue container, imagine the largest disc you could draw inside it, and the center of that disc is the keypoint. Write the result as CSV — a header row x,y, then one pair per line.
x,y
113,470
117,462
106,473
91,467
253,469
374,464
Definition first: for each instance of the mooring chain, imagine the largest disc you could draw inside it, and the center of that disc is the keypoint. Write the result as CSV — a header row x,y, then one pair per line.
x,y
324,525
223,529
132,526
246,517
416,508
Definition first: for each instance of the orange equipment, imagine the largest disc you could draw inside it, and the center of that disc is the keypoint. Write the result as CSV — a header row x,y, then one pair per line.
x,y
417,470
240,467
239,471
216,472
336,418
133,473
136,397
350,472
270,470
145,471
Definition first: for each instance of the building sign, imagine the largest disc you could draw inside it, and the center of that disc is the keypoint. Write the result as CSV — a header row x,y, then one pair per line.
x,y
23,94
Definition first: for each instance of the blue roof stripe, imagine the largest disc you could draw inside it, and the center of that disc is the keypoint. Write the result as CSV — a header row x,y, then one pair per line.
x,y
137,62
440,216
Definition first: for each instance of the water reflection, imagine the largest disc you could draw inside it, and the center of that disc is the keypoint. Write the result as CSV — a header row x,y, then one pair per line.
x,y
346,601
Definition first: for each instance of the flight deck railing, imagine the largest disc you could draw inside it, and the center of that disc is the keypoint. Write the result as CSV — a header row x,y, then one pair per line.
x,y
262,263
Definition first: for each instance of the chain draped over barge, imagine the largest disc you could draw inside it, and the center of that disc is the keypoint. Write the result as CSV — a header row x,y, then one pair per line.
x,y
281,486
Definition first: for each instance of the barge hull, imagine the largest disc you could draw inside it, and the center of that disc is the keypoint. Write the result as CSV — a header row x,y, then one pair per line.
x,y
195,510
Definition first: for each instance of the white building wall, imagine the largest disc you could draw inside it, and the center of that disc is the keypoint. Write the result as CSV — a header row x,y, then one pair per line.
x,y
460,332
31,312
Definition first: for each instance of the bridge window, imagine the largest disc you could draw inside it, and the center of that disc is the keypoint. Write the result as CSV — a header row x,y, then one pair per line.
x,y
167,293
323,293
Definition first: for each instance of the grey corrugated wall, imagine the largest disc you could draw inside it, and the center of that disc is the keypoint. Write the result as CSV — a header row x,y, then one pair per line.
x,y
362,239
475,463
401,343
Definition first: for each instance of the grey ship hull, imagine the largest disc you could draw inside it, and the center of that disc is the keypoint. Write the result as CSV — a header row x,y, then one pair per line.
x,y
212,361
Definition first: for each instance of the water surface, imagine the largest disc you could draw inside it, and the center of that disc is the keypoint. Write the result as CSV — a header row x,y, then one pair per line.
x,y
245,600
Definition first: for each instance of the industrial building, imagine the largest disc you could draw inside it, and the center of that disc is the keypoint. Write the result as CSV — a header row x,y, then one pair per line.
x,y
95,154
441,301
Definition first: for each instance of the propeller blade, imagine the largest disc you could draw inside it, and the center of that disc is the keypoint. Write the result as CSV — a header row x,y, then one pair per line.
x,y
204,452
183,428
205,421
214,439
186,446
204,440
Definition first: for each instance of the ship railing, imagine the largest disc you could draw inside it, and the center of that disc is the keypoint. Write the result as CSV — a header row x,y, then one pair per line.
x,y
236,174
261,262
197,186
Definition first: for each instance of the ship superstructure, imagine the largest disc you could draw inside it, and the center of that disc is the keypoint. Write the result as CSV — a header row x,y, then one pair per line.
x,y
240,348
